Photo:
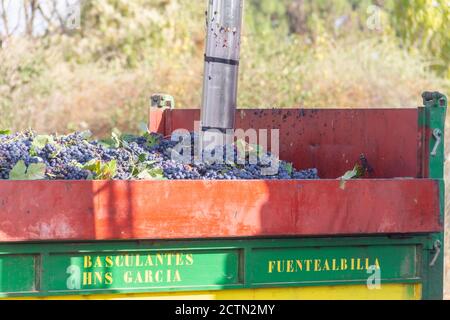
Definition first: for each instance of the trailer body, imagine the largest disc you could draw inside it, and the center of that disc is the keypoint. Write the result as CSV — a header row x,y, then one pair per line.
x,y
266,239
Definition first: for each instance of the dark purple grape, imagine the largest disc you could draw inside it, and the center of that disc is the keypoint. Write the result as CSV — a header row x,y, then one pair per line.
x,y
66,155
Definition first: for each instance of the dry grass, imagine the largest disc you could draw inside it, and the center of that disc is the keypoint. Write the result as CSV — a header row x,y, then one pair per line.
x,y
62,97
351,73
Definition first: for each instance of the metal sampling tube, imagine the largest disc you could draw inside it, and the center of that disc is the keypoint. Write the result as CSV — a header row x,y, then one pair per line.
x,y
223,41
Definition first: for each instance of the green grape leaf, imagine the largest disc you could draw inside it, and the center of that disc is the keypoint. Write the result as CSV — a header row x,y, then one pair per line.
x,y
86,134
93,165
151,174
348,176
108,170
144,175
108,143
90,176
127,137
289,168
35,171
152,140
5,132
142,157
101,171
39,142
18,172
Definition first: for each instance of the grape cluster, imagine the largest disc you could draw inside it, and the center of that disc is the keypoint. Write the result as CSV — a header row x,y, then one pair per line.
x,y
13,148
65,158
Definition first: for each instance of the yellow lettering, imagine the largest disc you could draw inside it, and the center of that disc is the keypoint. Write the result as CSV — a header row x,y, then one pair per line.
x,y
98,277
119,263
271,265
127,260
326,266
334,266
159,259
158,276
138,262
109,261
280,265
176,276
358,264
148,276
189,259
87,261
289,267
108,278
308,265
344,264
87,278
98,262
138,278
169,259
377,263
299,265
127,277
149,261
179,259
317,266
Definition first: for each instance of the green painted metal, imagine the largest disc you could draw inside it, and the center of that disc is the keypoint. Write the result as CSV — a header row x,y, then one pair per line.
x,y
64,268
433,120
142,269
435,105
18,273
300,265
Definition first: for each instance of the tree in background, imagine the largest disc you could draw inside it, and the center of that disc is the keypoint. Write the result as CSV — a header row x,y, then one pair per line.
x,y
425,24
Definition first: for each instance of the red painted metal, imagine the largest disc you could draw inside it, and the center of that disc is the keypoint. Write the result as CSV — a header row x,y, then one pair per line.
x,y
330,139
423,151
109,210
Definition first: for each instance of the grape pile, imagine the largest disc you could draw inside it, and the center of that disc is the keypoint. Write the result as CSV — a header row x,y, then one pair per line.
x,y
75,156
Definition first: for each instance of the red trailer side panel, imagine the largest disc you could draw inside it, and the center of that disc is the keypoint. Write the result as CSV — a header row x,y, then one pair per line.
x,y
330,140
108,210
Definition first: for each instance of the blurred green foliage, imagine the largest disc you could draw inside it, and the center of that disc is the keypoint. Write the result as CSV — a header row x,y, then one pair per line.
x,y
310,53
425,25
126,32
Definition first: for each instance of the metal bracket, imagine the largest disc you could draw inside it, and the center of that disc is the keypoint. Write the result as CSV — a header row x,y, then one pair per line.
x,y
437,134
437,251
161,100
434,99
